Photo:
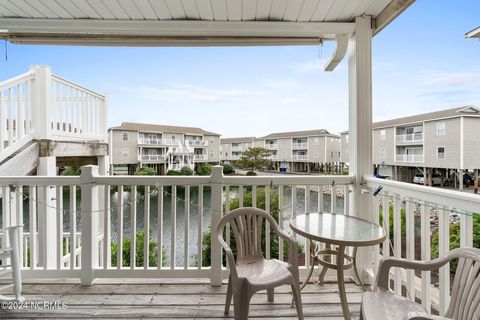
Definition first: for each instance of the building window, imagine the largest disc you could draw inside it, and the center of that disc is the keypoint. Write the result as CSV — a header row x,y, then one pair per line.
x,y
339,153
316,140
383,134
331,154
440,128
331,139
124,153
382,153
440,152
346,139
125,136
174,137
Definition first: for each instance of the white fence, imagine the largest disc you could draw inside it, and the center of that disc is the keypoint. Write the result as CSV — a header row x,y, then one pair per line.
x,y
299,145
437,209
200,157
85,241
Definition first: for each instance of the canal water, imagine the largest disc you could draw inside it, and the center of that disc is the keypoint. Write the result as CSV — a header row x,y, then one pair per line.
x,y
180,217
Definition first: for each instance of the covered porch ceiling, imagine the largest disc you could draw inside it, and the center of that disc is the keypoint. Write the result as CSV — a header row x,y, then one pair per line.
x,y
188,22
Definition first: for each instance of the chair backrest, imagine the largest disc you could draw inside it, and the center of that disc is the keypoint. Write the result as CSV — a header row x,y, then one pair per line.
x,y
465,296
247,225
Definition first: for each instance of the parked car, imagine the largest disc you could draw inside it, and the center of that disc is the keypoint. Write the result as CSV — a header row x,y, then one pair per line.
x,y
468,180
437,180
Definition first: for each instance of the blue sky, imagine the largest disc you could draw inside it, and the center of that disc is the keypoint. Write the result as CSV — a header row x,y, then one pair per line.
x,y
421,63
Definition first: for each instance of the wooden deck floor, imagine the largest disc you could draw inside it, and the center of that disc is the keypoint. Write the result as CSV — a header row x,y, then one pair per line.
x,y
173,299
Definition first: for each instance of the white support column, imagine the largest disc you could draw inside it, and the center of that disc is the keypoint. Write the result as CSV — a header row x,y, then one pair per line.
x,y
41,100
103,170
89,220
47,216
216,213
360,126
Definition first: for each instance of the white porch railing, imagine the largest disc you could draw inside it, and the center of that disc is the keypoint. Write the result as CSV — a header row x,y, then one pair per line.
x,y
40,105
437,211
197,143
237,149
176,213
300,157
76,112
200,157
151,157
271,146
153,141
16,113
409,137
299,145
409,158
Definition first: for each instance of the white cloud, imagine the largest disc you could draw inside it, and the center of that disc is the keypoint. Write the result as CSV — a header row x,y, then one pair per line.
x,y
450,78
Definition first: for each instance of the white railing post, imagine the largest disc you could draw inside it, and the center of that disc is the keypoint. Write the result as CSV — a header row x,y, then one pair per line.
x,y
47,217
41,101
89,224
216,212
360,127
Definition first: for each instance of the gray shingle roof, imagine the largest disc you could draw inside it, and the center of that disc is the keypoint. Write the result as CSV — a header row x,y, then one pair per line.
x,y
453,112
146,127
237,140
291,134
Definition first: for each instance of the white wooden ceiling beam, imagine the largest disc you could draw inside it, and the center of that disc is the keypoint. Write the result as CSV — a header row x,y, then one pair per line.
x,y
15,29
339,53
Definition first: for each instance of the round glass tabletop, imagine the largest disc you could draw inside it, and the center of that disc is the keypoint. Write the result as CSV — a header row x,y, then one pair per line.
x,y
337,229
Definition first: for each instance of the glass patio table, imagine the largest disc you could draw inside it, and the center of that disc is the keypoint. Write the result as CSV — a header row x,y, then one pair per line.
x,y
340,231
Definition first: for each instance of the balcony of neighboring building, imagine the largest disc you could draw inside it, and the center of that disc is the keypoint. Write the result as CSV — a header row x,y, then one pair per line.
x,y
299,156
237,147
151,157
299,144
409,135
271,144
196,143
273,155
409,155
200,157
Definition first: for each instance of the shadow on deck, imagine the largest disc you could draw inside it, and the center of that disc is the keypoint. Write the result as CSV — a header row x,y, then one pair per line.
x,y
172,299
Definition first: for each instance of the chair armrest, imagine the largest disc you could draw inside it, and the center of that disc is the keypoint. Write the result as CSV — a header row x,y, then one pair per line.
x,y
424,316
292,246
386,264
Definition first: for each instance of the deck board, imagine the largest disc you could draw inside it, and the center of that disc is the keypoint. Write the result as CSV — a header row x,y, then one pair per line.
x,y
170,299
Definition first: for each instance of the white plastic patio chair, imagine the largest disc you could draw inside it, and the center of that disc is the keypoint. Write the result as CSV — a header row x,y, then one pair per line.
x,y
250,271
465,295
11,264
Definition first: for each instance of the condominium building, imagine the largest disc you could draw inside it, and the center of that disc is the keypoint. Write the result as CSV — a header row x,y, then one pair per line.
x,y
162,147
302,151
231,148
443,141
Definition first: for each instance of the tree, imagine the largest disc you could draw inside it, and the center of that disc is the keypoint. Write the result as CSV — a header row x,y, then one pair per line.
x,y
204,169
254,159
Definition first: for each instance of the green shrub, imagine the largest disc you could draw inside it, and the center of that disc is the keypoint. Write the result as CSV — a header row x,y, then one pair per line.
x,y
247,202
228,169
173,173
403,218
186,171
455,241
204,169
72,171
126,250
251,173
145,171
